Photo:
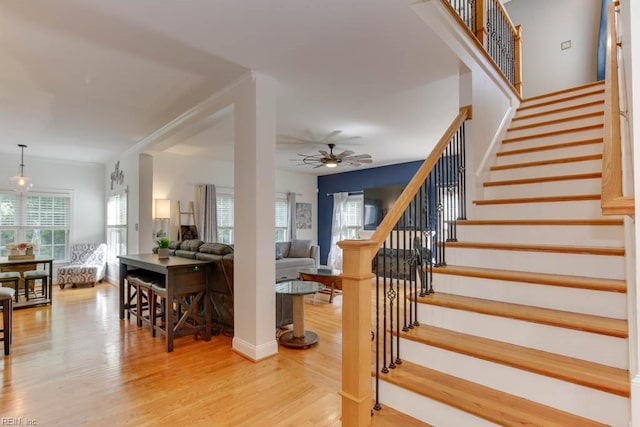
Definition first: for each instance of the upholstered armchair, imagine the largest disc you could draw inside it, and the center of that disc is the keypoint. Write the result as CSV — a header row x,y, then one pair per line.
x,y
88,265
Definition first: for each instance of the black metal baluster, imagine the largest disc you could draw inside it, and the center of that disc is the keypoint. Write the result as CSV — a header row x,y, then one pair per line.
x,y
376,268
398,361
385,368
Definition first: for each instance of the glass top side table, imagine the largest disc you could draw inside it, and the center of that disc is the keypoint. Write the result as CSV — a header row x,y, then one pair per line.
x,y
298,338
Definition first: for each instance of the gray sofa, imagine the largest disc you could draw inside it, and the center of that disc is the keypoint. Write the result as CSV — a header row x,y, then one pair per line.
x,y
289,257
292,256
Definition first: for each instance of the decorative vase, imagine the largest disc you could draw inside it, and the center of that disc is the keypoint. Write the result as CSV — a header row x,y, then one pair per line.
x,y
163,253
14,252
29,251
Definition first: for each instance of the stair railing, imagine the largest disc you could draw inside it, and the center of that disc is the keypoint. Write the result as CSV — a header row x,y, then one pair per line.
x,y
613,202
401,252
491,27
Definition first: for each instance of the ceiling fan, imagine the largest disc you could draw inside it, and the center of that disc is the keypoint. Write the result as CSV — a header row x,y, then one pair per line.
x,y
331,160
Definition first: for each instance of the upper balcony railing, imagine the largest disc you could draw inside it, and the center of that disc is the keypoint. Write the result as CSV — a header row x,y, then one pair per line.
x,y
493,30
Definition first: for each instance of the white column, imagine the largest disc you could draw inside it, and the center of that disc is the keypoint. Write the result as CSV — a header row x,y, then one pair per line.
x,y
254,220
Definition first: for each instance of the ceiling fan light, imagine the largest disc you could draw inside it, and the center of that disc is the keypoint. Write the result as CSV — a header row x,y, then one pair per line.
x,y
331,163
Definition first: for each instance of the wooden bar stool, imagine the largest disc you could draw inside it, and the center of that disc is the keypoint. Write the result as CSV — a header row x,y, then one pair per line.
x,y
11,278
6,299
144,296
33,275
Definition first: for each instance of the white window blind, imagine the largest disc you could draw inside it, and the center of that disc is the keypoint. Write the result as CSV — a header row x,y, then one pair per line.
x,y
40,218
354,211
224,211
8,221
282,219
116,225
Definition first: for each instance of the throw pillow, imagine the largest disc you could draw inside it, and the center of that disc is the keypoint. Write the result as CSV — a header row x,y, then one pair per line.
x,y
300,249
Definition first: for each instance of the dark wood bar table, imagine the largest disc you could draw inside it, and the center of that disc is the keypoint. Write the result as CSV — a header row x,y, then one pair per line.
x,y
22,265
182,276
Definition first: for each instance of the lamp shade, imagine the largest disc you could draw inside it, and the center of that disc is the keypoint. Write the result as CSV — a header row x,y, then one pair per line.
x,y
163,208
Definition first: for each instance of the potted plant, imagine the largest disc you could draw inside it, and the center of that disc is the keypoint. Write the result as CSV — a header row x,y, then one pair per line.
x,y
163,247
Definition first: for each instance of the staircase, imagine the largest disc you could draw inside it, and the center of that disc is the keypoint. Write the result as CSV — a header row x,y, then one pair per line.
x,y
527,325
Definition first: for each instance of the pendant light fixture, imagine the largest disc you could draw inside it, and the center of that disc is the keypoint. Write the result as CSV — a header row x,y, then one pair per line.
x,y
21,183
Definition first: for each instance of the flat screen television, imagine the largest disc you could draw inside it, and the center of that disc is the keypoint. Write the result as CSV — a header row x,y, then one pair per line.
x,y
377,202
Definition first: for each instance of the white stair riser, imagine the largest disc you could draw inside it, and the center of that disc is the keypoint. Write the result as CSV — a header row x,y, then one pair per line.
x,y
549,188
554,169
425,409
533,107
568,342
582,401
577,122
583,235
578,135
555,153
563,114
611,267
547,210
597,303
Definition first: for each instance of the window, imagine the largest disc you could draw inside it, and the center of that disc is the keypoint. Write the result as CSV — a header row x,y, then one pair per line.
x,y
224,212
354,210
116,225
40,218
282,219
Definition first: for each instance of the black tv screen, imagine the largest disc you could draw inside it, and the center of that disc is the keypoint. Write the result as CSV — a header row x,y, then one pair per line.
x,y
377,202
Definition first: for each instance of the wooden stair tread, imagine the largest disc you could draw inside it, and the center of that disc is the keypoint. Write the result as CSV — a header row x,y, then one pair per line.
x,y
577,371
550,147
563,319
567,249
543,221
562,160
552,133
596,91
558,110
578,176
562,280
540,199
595,84
557,121
389,417
484,402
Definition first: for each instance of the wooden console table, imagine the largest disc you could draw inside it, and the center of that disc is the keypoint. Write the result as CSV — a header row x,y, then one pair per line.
x,y
182,276
22,265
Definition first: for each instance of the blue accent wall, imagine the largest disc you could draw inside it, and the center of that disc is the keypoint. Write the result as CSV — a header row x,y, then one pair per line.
x,y
354,181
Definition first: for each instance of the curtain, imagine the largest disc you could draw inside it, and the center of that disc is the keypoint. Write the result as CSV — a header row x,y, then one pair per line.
x,y
206,208
602,39
291,224
338,229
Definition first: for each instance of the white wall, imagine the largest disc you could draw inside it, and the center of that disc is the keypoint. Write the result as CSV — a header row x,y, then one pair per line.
x,y
546,24
176,177
84,180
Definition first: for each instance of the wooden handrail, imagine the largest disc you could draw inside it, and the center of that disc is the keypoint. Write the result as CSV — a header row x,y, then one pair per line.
x,y
418,179
613,202
356,293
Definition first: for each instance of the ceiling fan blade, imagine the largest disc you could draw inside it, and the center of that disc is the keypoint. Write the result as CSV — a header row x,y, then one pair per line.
x,y
324,153
363,161
344,154
359,156
319,166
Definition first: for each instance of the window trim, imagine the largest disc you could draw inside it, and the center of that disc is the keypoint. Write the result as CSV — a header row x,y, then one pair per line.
x,y
124,226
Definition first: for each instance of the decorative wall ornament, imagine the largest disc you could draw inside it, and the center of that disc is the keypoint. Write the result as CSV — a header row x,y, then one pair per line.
x,y
303,216
117,175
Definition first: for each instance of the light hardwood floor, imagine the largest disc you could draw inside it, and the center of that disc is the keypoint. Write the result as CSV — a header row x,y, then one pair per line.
x,y
75,363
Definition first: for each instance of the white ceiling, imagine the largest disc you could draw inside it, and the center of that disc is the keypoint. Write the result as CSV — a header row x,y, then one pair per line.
x,y
87,79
